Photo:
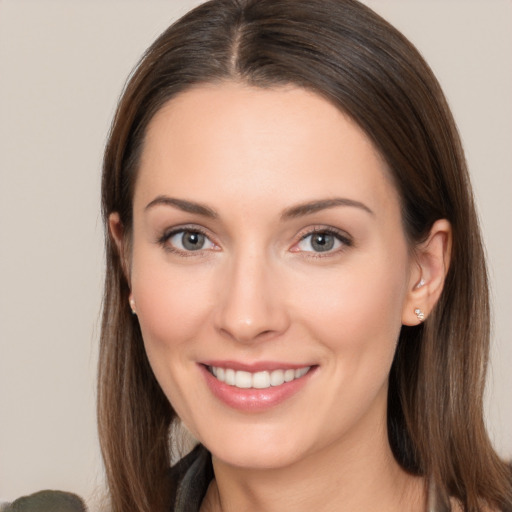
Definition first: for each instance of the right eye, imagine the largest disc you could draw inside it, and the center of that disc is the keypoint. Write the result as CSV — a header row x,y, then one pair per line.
x,y
187,240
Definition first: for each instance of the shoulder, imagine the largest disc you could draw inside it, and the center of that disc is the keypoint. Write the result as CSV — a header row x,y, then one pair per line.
x,y
46,501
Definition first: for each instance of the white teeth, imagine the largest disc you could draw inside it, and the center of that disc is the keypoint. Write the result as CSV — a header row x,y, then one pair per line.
x,y
257,380
261,380
289,375
230,377
277,378
243,380
301,372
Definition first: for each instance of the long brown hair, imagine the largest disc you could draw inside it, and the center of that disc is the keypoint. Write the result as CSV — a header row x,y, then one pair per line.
x,y
345,52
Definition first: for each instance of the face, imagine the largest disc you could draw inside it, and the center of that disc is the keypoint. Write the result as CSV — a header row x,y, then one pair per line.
x,y
269,271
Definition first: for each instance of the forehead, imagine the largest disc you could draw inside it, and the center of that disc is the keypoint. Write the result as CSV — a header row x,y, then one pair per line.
x,y
251,143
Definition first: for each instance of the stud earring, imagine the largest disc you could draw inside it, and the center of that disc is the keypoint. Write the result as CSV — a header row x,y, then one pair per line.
x,y
419,313
132,306
421,283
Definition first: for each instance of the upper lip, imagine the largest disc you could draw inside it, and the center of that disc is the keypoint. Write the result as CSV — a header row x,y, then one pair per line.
x,y
257,366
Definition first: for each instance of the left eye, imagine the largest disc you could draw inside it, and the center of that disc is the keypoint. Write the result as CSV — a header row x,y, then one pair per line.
x,y
320,241
187,240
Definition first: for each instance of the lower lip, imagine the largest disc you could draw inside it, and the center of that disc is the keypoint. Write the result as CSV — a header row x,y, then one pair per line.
x,y
254,400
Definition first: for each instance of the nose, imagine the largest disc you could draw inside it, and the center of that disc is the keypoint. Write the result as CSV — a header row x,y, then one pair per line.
x,y
251,306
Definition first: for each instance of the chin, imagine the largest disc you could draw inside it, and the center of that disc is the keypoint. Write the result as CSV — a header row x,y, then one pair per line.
x,y
260,449
257,457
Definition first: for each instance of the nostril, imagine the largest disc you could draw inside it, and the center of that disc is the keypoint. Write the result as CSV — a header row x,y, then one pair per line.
x,y
249,333
251,308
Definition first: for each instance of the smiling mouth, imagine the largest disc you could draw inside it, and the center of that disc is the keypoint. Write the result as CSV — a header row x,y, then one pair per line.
x,y
257,380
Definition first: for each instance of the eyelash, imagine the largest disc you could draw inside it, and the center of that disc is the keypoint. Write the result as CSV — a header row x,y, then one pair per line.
x,y
345,240
342,237
167,235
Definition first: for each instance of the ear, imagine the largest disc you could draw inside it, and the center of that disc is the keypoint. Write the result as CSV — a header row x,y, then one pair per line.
x,y
430,266
117,232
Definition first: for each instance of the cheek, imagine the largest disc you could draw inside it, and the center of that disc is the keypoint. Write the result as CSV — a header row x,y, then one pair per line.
x,y
357,311
356,316
171,303
172,308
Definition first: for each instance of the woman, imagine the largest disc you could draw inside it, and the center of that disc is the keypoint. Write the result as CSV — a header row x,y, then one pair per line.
x,y
293,259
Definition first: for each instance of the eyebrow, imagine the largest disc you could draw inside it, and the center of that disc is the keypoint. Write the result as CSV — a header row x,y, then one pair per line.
x,y
182,204
290,213
323,204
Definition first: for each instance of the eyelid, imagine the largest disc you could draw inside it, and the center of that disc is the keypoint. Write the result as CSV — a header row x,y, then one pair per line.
x,y
167,234
342,236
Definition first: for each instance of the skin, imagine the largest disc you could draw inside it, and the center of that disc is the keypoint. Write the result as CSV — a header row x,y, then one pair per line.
x,y
258,291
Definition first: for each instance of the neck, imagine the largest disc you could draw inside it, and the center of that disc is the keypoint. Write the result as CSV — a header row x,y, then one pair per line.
x,y
358,473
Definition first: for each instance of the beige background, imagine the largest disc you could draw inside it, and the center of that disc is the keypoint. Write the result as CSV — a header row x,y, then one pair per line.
x,y
62,66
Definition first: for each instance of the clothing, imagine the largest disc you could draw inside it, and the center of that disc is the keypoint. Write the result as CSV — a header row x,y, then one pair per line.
x,y
194,473
46,501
